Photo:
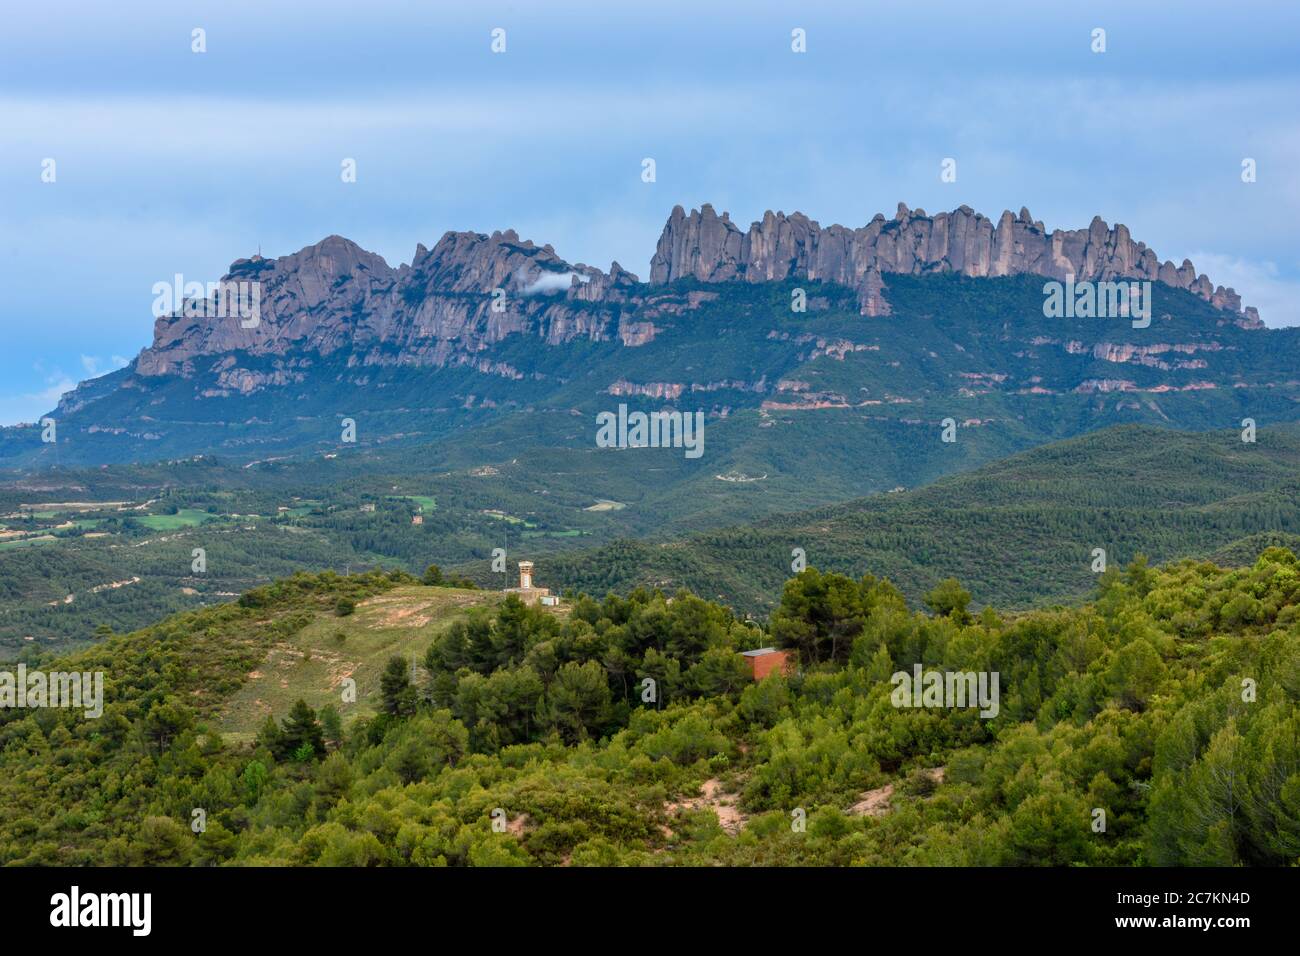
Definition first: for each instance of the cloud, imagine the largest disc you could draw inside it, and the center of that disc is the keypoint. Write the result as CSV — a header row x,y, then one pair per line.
x,y
549,282
91,363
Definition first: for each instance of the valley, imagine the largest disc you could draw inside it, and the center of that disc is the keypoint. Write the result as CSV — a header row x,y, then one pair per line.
x,y
1018,531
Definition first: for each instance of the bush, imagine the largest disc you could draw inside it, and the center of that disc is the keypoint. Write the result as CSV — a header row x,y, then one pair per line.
x,y
920,783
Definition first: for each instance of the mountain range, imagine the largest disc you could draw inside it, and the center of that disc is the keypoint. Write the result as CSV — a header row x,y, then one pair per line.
x,y
904,322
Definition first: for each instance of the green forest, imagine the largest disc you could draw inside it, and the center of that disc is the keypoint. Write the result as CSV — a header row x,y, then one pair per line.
x,y
1018,532
1154,725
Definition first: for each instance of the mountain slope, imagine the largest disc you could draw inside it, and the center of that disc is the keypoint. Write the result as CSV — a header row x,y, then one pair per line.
x,y
1016,532
483,328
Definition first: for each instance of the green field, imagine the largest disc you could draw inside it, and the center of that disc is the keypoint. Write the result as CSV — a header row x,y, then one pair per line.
x,y
184,518
313,663
426,502
508,519
26,542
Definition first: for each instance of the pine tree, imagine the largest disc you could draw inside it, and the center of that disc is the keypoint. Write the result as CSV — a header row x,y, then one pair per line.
x,y
301,730
331,724
395,687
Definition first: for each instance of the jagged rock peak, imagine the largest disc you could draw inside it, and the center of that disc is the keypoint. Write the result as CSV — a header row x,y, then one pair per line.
x,y
711,248
437,310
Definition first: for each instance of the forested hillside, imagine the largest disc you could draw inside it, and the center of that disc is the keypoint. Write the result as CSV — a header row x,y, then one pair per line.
x,y
90,550
1018,532
1165,708
983,351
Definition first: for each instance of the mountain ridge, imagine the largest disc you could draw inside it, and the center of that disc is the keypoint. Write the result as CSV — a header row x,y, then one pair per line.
x,y
713,249
439,309
485,326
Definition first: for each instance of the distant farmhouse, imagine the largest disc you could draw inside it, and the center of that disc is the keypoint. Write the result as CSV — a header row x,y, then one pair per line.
x,y
529,594
765,660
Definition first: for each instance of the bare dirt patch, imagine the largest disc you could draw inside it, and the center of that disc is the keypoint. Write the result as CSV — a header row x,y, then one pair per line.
x,y
401,610
112,585
409,615
713,797
878,802
873,803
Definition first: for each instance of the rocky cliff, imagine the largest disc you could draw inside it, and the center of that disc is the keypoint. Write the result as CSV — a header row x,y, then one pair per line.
x,y
448,304
712,248
471,290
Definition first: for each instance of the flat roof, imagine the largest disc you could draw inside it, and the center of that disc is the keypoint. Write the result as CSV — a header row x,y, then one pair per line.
x,y
760,652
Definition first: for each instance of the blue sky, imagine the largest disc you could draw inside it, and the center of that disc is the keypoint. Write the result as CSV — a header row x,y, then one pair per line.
x,y
170,161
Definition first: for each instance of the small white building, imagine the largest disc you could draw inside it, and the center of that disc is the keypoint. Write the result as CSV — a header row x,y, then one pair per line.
x,y
527,592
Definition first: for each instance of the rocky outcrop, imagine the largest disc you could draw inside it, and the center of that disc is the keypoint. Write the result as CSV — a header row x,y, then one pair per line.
x,y
668,390
451,302
711,248
470,291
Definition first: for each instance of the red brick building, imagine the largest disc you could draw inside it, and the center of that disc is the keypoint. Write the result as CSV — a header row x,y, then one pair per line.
x,y
767,659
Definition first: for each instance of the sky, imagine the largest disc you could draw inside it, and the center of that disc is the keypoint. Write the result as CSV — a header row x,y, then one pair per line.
x,y
170,161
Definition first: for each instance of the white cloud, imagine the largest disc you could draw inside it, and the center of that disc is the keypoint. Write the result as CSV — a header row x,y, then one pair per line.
x,y
549,282
94,368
